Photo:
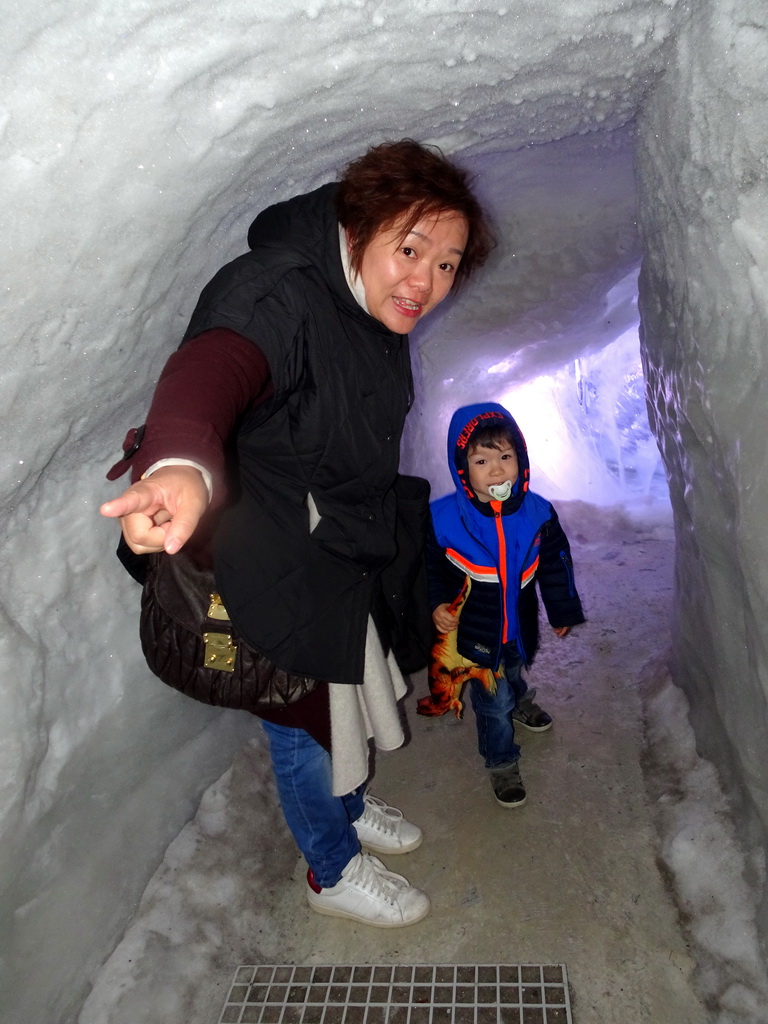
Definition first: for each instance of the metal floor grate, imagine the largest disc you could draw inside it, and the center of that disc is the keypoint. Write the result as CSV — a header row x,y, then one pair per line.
x,y
399,994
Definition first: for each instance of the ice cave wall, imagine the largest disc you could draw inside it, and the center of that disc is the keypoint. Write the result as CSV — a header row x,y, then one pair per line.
x,y
703,181
136,144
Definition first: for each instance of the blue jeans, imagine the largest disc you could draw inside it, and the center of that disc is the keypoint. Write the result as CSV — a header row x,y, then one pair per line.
x,y
321,823
493,712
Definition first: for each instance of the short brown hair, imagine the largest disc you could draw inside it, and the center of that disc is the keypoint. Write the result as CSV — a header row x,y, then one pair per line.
x,y
411,179
492,435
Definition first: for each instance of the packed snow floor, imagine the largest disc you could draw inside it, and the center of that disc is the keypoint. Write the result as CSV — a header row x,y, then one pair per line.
x,y
624,836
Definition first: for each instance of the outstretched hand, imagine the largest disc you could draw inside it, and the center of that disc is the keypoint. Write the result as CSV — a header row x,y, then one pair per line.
x,y
161,512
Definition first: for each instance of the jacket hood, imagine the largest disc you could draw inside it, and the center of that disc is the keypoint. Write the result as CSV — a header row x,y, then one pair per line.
x,y
304,231
299,225
464,423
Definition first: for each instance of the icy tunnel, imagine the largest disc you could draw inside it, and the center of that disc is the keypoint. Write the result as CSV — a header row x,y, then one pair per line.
x,y
613,141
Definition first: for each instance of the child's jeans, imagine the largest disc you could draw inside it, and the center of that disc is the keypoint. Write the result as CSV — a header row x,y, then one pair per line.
x,y
493,712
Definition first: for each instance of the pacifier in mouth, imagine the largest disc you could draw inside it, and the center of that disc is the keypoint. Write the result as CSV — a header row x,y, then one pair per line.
x,y
500,492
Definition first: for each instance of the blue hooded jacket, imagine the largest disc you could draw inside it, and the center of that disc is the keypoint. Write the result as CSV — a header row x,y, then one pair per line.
x,y
500,547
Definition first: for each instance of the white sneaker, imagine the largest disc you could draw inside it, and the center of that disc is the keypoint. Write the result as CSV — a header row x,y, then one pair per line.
x,y
368,893
383,829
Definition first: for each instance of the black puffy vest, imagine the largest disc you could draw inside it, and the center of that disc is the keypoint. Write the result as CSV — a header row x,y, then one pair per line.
x,y
342,388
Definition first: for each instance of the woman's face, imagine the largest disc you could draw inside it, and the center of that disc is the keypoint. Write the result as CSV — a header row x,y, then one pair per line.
x,y
405,278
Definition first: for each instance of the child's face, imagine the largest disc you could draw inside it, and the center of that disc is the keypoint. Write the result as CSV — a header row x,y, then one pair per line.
x,y
490,467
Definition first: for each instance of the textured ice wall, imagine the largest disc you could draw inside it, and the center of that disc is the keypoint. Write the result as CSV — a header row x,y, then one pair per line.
x,y
138,139
562,284
703,165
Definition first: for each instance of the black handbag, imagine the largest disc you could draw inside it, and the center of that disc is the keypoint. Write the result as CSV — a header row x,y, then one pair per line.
x,y
190,643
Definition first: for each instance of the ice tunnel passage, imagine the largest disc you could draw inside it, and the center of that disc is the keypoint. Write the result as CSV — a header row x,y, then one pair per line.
x,y
136,145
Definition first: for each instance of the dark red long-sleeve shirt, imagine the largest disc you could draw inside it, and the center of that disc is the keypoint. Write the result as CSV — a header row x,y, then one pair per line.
x,y
205,388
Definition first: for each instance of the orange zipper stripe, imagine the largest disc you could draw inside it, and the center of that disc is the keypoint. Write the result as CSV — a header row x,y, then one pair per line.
x,y
496,506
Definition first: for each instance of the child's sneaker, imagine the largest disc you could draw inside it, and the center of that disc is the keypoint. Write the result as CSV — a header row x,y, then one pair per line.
x,y
530,715
368,893
508,786
383,829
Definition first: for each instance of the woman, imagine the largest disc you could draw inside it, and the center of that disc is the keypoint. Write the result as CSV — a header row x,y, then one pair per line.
x,y
280,418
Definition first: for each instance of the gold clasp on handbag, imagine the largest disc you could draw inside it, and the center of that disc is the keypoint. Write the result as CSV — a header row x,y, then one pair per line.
x,y
216,609
220,652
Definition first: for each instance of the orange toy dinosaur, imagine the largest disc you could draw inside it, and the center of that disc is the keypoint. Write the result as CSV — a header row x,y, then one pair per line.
x,y
449,671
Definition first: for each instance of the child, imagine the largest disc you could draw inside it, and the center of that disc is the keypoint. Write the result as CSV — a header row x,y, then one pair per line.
x,y
489,540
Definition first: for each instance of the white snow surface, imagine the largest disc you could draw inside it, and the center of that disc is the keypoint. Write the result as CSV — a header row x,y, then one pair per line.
x,y
138,141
